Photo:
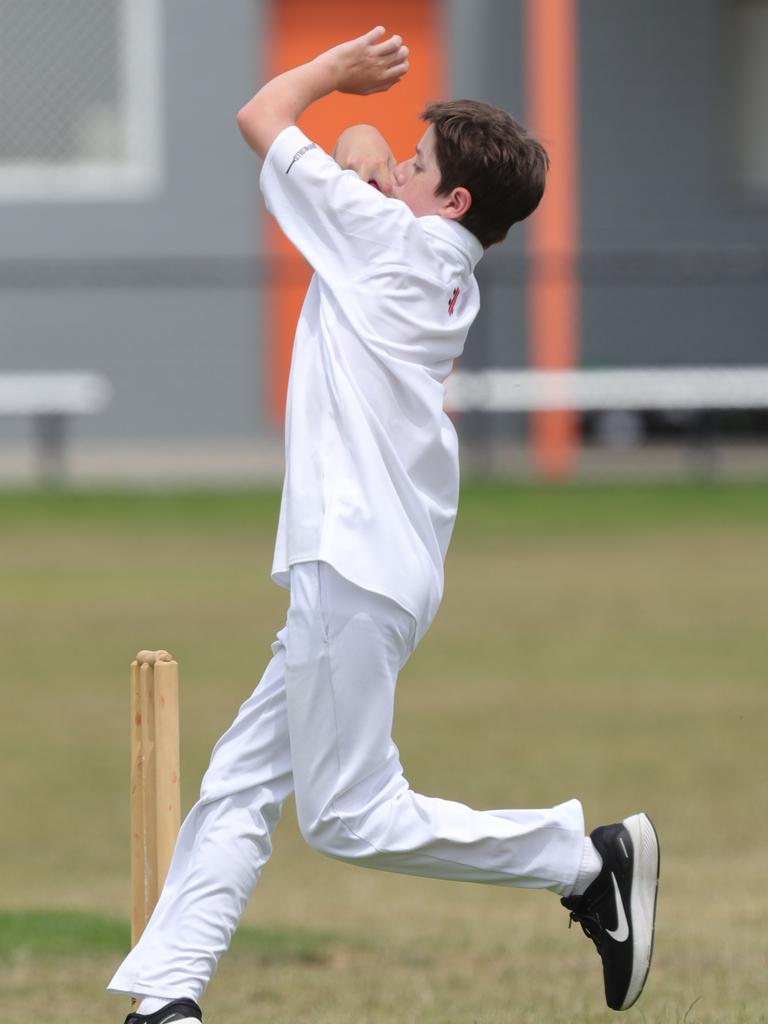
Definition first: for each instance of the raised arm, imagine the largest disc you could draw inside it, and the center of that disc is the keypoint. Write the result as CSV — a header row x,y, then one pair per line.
x,y
364,150
362,66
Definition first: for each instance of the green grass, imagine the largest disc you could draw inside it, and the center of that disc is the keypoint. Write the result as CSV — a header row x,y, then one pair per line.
x,y
496,507
605,643
60,932
80,934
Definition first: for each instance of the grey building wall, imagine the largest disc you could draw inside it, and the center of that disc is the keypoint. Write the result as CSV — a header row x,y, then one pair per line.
x,y
674,255
487,40
161,295
165,295
489,65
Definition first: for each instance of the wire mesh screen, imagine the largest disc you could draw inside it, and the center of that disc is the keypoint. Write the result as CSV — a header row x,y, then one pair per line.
x,y
60,81
80,98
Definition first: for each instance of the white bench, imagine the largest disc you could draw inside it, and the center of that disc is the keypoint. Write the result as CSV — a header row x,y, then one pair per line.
x,y
51,399
672,388
617,396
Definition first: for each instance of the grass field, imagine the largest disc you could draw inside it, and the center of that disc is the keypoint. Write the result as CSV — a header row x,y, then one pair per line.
x,y
604,643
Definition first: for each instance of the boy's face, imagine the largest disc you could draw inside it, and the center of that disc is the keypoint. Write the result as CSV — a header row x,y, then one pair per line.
x,y
417,180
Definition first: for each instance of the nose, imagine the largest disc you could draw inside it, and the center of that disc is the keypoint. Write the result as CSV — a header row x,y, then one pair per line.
x,y
399,172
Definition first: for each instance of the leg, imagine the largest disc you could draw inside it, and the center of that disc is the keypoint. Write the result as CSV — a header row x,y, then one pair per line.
x,y
221,850
345,647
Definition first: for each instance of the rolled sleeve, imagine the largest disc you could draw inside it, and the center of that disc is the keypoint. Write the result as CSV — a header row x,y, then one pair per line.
x,y
340,224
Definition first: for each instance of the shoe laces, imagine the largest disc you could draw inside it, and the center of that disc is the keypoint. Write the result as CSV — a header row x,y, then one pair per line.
x,y
590,924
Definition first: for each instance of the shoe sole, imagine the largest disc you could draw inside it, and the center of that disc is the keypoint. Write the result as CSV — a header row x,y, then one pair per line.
x,y
644,891
185,1020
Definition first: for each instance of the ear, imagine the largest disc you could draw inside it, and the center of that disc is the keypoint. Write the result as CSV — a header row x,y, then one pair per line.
x,y
456,204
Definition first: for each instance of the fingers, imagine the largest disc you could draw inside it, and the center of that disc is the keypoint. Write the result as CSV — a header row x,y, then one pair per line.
x,y
393,56
372,171
396,61
391,45
397,70
371,63
383,180
399,56
391,76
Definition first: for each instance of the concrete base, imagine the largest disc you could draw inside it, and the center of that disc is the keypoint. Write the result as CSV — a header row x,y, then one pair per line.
x,y
243,462
235,462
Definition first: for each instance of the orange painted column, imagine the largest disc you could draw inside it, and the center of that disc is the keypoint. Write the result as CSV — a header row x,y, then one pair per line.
x,y
554,288
300,29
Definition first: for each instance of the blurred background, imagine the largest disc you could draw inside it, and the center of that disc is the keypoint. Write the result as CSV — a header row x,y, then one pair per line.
x,y
135,251
603,627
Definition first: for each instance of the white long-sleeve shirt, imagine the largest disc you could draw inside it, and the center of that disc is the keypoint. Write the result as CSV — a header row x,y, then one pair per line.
x,y
372,470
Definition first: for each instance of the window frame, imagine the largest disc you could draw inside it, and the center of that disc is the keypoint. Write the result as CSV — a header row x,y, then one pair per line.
x,y
747,169
140,174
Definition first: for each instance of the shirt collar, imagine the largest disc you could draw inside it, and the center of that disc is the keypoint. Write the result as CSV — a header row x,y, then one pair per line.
x,y
457,235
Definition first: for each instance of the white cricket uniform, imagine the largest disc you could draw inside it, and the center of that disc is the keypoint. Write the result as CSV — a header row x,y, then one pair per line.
x,y
368,505
372,466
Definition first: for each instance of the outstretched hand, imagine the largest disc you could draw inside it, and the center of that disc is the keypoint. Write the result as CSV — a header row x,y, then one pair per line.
x,y
368,64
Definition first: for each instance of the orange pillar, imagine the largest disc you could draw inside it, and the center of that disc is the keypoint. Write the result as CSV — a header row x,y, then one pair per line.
x,y
553,291
299,29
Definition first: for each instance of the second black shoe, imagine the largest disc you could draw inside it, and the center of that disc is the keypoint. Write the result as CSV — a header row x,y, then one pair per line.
x,y
180,1011
618,910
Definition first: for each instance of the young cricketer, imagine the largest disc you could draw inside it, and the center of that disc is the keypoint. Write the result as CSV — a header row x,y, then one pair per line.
x,y
368,505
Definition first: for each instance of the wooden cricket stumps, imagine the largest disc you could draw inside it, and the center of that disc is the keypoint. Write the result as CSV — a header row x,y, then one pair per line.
x,y
155,792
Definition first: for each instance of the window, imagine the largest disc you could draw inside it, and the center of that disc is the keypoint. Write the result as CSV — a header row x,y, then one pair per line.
x,y
747,96
81,96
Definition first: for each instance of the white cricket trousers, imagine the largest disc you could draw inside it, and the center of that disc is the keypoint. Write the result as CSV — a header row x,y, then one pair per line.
x,y
319,724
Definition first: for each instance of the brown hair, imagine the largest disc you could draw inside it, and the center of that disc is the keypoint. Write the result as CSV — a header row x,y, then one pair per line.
x,y
483,149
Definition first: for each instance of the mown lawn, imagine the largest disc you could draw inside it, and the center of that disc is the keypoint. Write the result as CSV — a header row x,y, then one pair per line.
x,y
608,643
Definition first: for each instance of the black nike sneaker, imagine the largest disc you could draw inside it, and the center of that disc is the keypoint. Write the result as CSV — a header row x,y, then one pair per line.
x,y
618,909
180,1011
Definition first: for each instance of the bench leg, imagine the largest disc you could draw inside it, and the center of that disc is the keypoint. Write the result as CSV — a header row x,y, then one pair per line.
x,y
51,437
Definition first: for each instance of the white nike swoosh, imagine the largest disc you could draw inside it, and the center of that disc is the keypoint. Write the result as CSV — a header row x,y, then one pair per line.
x,y
621,933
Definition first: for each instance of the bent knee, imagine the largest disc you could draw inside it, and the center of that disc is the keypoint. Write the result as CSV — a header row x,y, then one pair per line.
x,y
333,836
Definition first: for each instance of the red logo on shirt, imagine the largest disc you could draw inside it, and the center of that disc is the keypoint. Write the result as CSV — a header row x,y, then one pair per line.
x,y
452,300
